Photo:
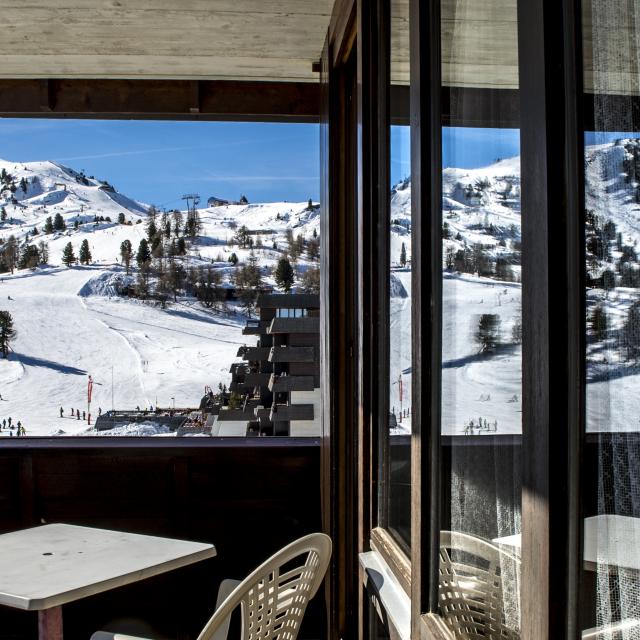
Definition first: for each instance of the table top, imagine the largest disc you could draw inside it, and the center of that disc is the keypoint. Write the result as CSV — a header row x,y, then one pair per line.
x,y
608,540
51,565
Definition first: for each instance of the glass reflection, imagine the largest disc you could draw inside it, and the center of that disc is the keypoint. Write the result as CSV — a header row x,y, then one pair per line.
x,y
611,499
481,405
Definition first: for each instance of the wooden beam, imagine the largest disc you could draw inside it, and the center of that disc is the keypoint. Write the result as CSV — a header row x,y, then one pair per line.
x,y
176,99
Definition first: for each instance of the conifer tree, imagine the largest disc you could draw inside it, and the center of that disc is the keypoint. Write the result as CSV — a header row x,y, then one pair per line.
x,y
177,223
3,214
7,332
152,228
68,256
48,225
193,225
599,323
143,256
85,252
43,250
121,218
58,223
631,332
29,257
284,275
126,253
488,333
403,255
176,276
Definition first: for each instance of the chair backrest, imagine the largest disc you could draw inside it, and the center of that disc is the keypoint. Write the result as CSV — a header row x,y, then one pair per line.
x,y
479,588
274,597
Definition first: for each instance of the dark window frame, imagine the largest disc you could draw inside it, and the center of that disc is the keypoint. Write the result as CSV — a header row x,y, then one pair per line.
x,y
149,100
550,120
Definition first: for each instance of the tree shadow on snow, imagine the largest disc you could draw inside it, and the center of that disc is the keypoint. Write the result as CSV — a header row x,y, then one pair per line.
x,y
31,361
199,317
500,350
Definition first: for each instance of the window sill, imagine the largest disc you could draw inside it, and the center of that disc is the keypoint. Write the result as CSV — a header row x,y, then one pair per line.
x,y
379,578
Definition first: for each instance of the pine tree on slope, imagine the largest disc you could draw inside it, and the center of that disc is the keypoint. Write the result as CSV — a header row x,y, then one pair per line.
x,y
68,256
85,252
7,332
284,275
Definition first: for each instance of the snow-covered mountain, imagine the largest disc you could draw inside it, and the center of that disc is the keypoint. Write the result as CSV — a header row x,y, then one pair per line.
x,y
481,272
71,323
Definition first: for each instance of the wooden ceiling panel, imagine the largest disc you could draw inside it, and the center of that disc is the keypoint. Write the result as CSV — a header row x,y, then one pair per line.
x,y
163,39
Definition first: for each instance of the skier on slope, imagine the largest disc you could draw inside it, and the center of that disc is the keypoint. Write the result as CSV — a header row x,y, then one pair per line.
x,y
61,412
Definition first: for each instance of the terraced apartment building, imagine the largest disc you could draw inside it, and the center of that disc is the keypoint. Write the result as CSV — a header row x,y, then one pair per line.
x,y
276,388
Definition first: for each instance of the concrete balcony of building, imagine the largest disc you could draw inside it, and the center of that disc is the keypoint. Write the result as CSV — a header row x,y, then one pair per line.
x,y
254,354
255,327
263,415
292,354
284,383
252,380
287,412
295,325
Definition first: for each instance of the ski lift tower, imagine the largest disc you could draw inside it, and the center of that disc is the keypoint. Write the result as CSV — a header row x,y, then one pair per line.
x,y
194,198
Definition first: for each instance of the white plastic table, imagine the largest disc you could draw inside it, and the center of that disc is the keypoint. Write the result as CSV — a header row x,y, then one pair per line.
x,y
609,540
45,567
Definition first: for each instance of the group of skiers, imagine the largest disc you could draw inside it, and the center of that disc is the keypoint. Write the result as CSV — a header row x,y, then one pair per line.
x,y
75,413
8,425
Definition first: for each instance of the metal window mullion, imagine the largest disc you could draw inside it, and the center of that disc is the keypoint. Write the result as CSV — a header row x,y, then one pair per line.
x,y
426,173
553,313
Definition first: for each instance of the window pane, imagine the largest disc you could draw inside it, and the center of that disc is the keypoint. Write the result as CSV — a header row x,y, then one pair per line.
x,y
395,447
611,463
481,320
138,319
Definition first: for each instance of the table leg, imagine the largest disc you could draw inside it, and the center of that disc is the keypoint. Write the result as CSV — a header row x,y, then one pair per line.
x,y
50,624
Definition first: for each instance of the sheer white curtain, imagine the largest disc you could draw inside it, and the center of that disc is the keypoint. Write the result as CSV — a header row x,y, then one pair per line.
x,y
612,75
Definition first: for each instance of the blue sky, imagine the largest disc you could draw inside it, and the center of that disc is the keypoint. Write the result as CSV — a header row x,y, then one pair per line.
x,y
462,147
157,161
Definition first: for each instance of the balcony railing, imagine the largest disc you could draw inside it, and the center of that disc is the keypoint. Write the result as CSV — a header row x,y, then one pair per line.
x,y
290,383
292,354
295,325
253,354
286,412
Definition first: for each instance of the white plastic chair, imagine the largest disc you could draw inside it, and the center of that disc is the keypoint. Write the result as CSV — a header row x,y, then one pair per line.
x,y
273,603
478,590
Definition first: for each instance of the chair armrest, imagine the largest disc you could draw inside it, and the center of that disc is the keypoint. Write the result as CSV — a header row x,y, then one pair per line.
x,y
224,591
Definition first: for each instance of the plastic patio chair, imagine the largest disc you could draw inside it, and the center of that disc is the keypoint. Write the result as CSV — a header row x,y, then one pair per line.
x,y
273,602
478,588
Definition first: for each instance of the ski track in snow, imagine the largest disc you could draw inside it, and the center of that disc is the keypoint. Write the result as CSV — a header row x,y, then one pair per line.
x,y
62,338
